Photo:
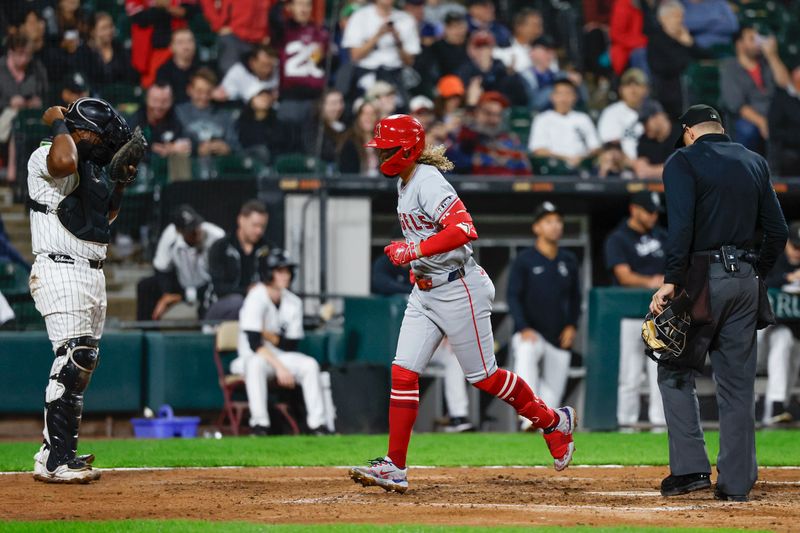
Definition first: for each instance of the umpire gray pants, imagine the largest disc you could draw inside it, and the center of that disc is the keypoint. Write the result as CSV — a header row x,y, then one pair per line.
x,y
734,304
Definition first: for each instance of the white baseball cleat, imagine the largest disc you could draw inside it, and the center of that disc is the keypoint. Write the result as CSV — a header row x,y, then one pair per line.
x,y
559,438
77,470
383,473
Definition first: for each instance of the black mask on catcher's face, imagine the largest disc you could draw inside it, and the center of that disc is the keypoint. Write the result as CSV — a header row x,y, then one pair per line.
x,y
96,152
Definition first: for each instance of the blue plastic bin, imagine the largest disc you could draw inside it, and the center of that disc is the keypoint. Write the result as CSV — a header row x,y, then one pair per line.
x,y
166,426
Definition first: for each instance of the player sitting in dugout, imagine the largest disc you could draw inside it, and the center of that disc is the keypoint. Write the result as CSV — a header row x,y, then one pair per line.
x,y
270,329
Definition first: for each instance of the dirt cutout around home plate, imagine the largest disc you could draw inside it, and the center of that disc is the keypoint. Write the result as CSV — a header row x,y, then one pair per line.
x,y
597,496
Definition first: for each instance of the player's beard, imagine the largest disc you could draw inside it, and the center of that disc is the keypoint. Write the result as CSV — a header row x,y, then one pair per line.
x,y
94,152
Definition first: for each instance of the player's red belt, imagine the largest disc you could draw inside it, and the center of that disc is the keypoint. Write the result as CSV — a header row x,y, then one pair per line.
x,y
69,260
428,283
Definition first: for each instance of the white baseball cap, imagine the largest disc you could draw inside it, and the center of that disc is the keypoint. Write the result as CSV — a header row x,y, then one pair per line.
x,y
419,103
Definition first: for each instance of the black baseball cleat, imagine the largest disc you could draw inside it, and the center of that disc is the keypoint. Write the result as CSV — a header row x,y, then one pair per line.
x,y
719,495
677,485
259,431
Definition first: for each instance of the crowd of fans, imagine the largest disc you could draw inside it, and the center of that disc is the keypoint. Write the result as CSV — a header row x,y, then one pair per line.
x,y
279,80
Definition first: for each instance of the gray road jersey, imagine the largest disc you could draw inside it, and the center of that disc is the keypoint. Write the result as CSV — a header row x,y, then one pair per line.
x,y
420,206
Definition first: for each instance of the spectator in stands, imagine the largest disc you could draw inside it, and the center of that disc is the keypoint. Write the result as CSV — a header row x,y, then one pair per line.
x,y
383,96
115,64
240,24
620,121
211,130
181,267
152,25
29,22
711,22
783,357
382,40
563,133
747,85
449,104
23,79
784,123
327,123
259,68
436,11
491,73
233,261
179,69
528,27
628,41
446,55
612,162
271,327
635,257
428,31
68,15
540,77
261,135
160,125
656,143
68,56
74,87
481,16
670,49
484,146
544,299
353,157
303,48
421,108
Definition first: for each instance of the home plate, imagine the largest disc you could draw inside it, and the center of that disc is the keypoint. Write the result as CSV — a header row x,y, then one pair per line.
x,y
628,493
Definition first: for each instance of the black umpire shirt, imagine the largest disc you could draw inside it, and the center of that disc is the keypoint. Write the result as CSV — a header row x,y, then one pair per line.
x,y
717,193
642,252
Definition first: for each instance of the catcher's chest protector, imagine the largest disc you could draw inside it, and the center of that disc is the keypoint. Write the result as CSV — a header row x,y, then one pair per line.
x,y
84,212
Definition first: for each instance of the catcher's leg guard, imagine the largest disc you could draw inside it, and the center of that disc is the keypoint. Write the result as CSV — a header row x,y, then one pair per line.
x,y
69,376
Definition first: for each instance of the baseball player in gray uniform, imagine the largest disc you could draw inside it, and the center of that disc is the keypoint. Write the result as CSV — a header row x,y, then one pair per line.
x,y
452,297
72,204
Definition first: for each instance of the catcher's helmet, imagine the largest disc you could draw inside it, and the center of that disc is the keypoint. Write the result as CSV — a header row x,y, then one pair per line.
x,y
274,258
664,335
403,132
98,116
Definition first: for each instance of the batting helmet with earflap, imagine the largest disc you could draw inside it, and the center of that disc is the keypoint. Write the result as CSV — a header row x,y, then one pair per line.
x,y
403,132
274,258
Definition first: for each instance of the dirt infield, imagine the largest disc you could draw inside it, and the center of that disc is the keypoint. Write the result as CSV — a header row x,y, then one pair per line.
x,y
448,496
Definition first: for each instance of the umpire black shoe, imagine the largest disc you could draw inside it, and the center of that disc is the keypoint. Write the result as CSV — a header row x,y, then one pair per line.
x,y
259,431
676,485
719,495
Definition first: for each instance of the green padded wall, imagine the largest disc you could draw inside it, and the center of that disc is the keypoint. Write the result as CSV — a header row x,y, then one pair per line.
x,y
371,327
607,306
181,371
26,358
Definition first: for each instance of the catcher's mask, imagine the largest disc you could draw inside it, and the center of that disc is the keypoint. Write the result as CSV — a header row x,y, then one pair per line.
x,y
97,116
664,335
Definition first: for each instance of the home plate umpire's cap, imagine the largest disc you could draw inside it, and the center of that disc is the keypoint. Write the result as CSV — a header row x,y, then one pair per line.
x,y
695,115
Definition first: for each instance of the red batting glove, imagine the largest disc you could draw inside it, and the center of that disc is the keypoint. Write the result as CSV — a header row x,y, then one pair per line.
x,y
401,253
411,277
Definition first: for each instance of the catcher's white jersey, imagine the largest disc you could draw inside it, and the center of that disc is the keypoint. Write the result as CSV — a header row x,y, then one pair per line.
x,y
69,294
420,205
259,313
48,236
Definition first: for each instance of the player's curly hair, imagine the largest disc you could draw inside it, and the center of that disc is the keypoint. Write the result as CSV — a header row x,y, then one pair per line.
x,y
435,157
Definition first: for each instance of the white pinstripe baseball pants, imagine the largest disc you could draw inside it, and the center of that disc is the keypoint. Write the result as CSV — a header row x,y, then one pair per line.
x,y
70,297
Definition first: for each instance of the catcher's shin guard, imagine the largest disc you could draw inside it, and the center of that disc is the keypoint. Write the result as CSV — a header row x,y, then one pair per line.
x,y
69,376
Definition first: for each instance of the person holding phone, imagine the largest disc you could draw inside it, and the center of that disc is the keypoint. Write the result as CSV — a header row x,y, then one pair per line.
x,y
748,82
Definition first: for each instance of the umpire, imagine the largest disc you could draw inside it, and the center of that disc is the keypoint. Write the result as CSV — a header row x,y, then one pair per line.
x,y
717,193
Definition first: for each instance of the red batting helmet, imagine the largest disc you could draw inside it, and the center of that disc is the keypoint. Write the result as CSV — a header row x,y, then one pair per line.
x,y
399,131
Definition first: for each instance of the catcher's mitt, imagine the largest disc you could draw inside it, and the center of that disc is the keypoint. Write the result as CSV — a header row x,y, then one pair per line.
x,y
664,335
129,155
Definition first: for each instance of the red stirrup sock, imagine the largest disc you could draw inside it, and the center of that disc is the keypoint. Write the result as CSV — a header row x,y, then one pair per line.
x,y
514,391
403,408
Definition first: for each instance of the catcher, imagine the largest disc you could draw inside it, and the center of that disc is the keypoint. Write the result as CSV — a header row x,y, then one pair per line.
x,y
72,203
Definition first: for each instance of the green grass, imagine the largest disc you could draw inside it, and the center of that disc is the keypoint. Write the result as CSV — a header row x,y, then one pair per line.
x,y
186,526
775,448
